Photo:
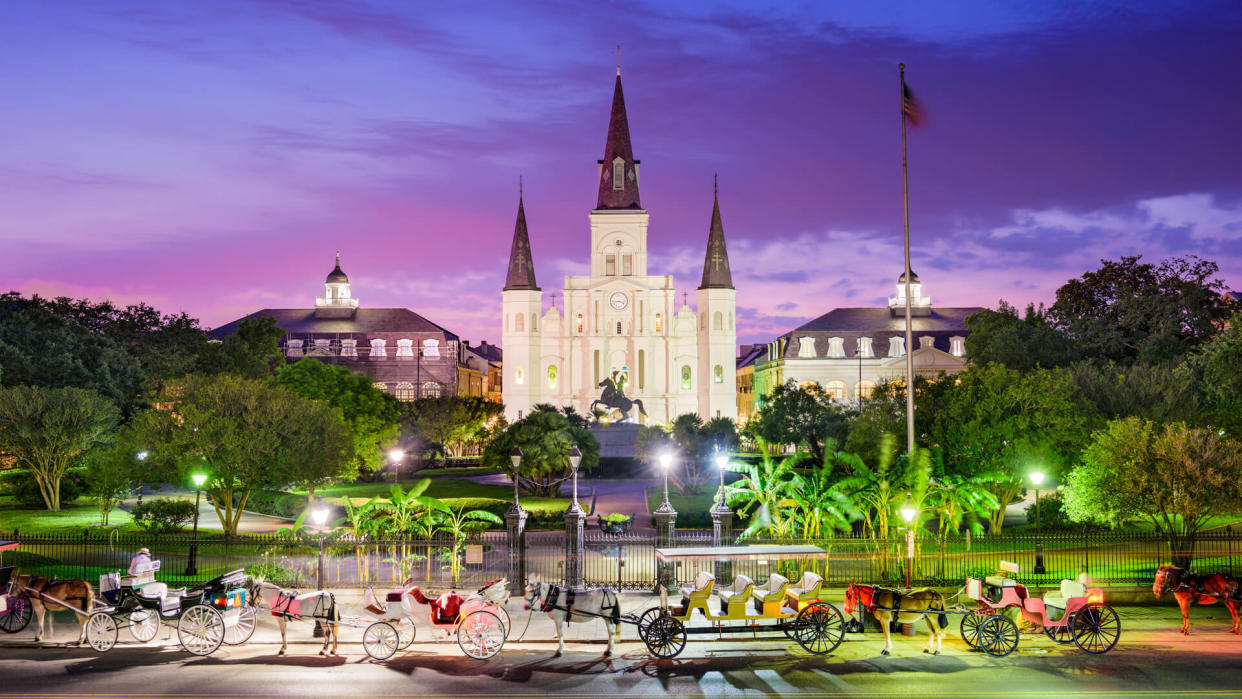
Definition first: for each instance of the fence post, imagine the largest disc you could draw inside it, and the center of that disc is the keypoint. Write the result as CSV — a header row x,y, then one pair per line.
x,y
515,528
575,536
722,535
666,530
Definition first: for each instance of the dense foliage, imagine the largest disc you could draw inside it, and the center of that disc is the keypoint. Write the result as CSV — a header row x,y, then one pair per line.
x,y
546,437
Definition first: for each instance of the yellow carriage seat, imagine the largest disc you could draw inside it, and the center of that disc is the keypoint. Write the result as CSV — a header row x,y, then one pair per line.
x,y
806,590
735,598
700,589
769,597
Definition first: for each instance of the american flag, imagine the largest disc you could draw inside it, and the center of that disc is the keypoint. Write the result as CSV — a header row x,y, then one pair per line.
x,y
911,107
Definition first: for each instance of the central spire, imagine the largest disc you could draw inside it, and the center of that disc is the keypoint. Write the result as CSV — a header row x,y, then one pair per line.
x,y
618,171
716,272
521,265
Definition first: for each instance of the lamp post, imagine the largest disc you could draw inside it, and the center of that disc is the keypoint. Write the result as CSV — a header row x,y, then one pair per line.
x,y
666,526
666,461
908,512
395,456
575,535
192,567
319,514
1037,478
722,519
141,456
515,528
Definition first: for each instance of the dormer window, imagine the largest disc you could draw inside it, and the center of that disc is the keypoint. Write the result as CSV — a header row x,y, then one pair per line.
x,y
806,347
836,347
957,346
349,348
378,349
927,341
405,349
293,348
618,173
864,348
896,346
431,348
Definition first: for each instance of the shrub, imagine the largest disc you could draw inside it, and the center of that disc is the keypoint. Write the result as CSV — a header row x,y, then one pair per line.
x,y
277,503
163,515
1052,515
21,485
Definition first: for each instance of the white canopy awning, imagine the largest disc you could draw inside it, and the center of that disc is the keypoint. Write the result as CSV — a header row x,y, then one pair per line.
x,y
739,552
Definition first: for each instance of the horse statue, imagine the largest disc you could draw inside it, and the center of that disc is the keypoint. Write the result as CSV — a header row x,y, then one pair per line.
x,y
1189,588
613,396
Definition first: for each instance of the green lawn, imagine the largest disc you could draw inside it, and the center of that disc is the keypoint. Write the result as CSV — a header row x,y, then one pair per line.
x,y
699,503
454,472
81,514
455,492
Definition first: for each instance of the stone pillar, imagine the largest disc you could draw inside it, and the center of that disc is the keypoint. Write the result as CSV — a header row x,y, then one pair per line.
x,y
722,535
575,543
666,530
515,526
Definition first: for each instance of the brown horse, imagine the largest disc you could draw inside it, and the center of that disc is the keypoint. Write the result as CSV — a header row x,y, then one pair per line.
x,y
1204,589
909,607
46,594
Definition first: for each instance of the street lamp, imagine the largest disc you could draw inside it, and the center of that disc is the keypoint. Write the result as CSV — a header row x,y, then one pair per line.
x,y
515,458
666,461
908,512
319,515
192,567
1037,478
575,458
395,455
722,461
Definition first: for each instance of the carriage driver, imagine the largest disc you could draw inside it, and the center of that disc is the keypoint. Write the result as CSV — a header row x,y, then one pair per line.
x,y
140,563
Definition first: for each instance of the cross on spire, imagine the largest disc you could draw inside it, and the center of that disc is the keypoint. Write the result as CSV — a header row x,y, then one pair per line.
x,y
552,296
521,190
685,295
715,184
618,59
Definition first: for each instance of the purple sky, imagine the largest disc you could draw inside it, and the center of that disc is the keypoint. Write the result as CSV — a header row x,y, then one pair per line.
x,y
212,162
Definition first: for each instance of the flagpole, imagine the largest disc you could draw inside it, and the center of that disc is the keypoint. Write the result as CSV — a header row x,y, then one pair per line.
x,y
905,203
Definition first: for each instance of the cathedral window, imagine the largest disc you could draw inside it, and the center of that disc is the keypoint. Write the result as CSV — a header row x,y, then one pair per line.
x,y
405,392
596,367
864,348
703,321
806,347
927,341
835,390
864,389
718,374
957,346
519,323
610,265
730,320
717,321
551,377
596,323
896,346
431,389
431,348
519,376
581,324
405,349
836,347
323,347
685,377
659,323
618,174
293,348
349,348
627,265
378,349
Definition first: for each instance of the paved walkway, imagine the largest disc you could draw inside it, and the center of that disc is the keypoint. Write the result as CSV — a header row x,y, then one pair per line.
x,y
250,522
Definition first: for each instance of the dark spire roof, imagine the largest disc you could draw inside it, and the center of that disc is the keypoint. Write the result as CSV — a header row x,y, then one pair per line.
x,y
716,274
521,266
336,276
914,278
618,146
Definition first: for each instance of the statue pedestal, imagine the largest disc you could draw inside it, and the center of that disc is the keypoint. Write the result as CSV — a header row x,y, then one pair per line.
x,y
617,441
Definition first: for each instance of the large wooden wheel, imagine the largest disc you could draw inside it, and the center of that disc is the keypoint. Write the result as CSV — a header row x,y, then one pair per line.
x,y
481,634
998,636
242,627
17,614
645,619
971,624
1095,628
143,625
665,637
1061,633
380,640
101,631
200,630
819,628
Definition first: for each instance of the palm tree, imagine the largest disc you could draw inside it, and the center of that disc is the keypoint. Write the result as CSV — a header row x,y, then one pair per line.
x,y
358,523
822,504
764,489
408,513
459,524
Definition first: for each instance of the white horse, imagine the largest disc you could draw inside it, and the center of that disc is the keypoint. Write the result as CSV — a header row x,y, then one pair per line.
x,y
318,606
567,606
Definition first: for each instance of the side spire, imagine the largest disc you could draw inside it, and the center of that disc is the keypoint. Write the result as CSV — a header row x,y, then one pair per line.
x,y
618,171
521,267
716,273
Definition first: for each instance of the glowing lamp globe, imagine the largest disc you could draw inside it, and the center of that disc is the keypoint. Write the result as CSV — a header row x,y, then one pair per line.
x,y
908,510
199,479
1037,477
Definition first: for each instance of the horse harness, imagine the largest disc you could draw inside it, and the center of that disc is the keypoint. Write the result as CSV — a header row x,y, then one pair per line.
x,y
873,607
549,604
1194,583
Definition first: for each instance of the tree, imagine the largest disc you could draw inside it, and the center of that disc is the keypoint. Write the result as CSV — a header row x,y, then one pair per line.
x,y
1218,368
252,352
1164,392
694,442
1022,344
245,434
47,430
880,488
371,414
1175,476
112,472
450,424
763,493
820,502
39,348
545,438
800,415
459,523
1128,311
884,413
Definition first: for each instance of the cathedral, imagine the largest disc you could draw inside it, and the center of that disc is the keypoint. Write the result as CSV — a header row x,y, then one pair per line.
x,y
621,348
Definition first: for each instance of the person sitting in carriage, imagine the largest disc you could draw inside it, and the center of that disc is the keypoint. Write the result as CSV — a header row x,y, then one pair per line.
x,y
444,609
140,563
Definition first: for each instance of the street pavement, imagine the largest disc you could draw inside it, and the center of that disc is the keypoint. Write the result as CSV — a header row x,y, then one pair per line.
x,y
1152,659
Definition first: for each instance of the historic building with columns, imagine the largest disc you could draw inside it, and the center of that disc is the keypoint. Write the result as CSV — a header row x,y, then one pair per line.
x,y
620,321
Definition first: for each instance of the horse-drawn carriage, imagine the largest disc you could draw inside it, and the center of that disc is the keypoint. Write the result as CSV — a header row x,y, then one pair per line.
x,y
204,617
479,622
15,607
1073,614
796,609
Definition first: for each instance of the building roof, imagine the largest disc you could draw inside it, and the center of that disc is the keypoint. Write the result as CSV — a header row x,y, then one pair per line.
x,y
618,146
336,276
914,277
750,354
521,273
364,321
488,351
867,320
716,273
1235,295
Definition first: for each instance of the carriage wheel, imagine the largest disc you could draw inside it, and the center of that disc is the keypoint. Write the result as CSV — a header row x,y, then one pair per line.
x,y
481,635
646,618
101,631
970,628
243,627
380,640
17,616
998,636
200,630
143,625
504,619
819,628
665,637
1061,634
406,631
1095,628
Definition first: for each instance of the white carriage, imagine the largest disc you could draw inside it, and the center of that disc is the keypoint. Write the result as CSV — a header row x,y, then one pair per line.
x,y
479,622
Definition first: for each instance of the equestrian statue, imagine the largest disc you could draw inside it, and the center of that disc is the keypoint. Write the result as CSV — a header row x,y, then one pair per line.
x,y
613,396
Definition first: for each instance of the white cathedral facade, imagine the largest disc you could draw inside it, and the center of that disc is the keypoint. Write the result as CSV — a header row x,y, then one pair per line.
x,y
620,321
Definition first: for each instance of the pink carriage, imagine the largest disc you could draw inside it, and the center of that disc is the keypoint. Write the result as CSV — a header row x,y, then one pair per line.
x,y
479,621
